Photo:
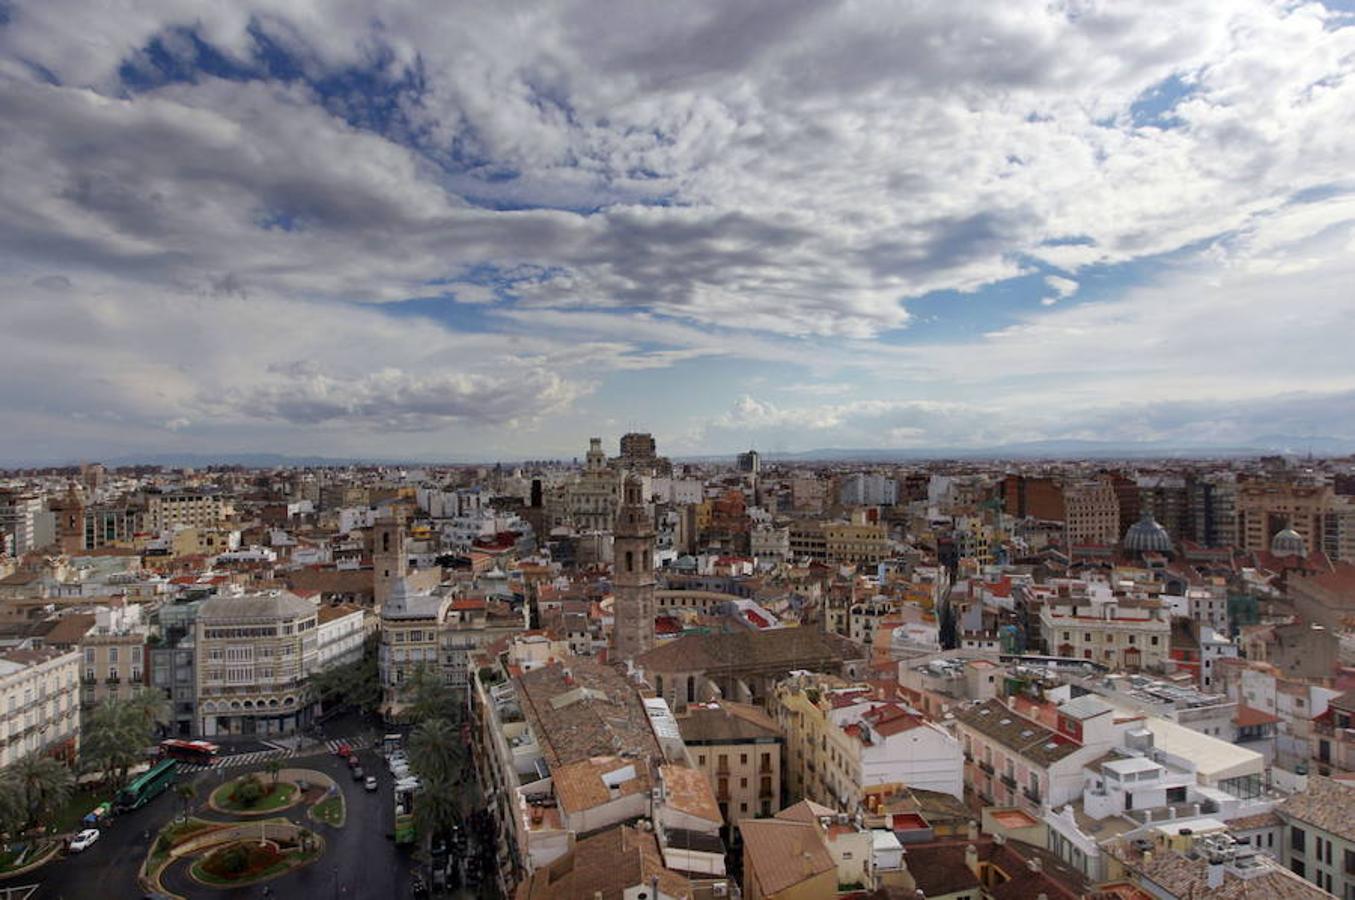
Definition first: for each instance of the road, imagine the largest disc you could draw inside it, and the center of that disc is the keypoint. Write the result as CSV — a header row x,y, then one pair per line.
x,y
359,860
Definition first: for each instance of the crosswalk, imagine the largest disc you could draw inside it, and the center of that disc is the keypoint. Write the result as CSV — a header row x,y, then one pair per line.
x,y
275,751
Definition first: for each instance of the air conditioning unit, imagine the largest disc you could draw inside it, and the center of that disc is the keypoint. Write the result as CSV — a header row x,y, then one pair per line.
x,y
719,889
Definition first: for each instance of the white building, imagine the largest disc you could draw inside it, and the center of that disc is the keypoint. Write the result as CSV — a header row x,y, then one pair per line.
x,y
39,703
869,489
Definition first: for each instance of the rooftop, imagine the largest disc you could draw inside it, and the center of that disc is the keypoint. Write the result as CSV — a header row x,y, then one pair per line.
x,y
273,605
1326,804
780,853
583,710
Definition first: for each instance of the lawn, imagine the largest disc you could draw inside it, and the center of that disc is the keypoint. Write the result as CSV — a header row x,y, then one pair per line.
x,y
245,862
330,811
69,816
275,796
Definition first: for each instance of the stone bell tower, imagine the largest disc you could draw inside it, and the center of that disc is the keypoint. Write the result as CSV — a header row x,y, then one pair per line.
x,y
633,578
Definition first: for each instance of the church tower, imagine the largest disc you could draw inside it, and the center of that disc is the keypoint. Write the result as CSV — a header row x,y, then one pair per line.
x,y
633,578
390,563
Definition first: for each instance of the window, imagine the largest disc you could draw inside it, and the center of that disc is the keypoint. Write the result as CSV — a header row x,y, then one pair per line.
x,y
1298,839
1350,862
89,654
743,759
112,654
701,759
1153,640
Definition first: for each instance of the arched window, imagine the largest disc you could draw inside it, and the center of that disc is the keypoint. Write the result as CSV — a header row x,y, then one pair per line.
x,y
630,561
385,542
691,688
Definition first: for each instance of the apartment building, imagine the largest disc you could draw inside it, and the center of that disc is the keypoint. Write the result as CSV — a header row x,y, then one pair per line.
x,y
1091,512
1319,835
859,541
738,747
840,742
1265,507
20,518
167,510
1123,633
114,655
39,703
253,656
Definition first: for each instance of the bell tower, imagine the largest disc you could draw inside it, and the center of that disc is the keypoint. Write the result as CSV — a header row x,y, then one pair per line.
x,y
390,562
633,573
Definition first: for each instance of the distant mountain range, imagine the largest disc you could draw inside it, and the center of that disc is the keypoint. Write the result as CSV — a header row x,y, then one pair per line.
x,y
1299,445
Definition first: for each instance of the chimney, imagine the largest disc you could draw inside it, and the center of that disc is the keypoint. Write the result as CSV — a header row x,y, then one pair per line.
x,y
971,858
1215,878
972,833
1034,864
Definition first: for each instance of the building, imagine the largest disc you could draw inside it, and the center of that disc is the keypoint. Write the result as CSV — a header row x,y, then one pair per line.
x,y
1319,834
739,748
786,860
254,654
20,515
168,510
595,496
840,742
633,578
1117,632
1266,507
616,864
861,540
749,463
868,489
114,655
39,704
341,631
411,625
1091,512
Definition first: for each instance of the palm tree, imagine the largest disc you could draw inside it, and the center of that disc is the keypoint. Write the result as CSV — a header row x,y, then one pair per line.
x,y
273,767
186,794
13,811
113,740
429,696
153,707
436,808
44,784
432,748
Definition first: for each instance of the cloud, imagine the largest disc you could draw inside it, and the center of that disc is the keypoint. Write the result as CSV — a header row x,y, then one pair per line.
x,y
596,191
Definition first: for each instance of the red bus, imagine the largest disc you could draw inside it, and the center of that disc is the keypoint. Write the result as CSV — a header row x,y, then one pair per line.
x,y
201,753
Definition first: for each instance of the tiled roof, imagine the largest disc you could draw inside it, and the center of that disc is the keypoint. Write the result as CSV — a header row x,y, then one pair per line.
x,y
1018,734
606,865
726,723
780,854
689,791
593,712
580,786
778,648
1326,804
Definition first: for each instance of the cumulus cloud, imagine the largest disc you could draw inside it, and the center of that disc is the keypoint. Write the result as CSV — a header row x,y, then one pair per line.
x,y
601,190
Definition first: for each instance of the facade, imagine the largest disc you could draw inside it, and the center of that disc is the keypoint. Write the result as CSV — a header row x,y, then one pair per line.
x,y
168,510
633,581
1319,835
411,628
840,743
114,656
19,518
1091,512
738,748
858,541
1120,633
594,498
750,463
868,489
1264,508
39,704
341,631
254,654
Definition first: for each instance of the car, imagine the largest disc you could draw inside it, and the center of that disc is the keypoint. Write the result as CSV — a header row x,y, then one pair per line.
x,y
370,783
82,840
343,750
358,774
354,762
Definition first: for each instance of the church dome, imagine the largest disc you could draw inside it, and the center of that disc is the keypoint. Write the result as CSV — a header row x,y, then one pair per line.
x,y
1288,542
1147,536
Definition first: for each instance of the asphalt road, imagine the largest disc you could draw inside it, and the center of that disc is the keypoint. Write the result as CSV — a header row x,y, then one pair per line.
x,y
359,860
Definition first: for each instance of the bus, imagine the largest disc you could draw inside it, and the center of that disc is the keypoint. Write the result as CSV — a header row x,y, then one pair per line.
x,y
146,786
201,753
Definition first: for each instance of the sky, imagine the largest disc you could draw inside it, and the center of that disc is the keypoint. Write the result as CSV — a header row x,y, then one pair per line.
x,y
489,231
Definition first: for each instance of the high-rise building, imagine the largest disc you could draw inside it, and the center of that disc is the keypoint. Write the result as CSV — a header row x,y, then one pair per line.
x,y
750,462
869,489
1265,508
633,581
19,514
1091,512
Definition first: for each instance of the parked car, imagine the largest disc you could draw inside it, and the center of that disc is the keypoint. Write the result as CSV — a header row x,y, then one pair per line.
x,y
370,783
358,774
82,840
343,750
354,762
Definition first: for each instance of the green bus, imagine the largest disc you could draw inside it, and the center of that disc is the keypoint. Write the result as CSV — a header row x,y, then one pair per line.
x,y
146,786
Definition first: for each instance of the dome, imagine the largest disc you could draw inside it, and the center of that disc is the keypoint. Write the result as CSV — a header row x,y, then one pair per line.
x,y
1288,542
1147,536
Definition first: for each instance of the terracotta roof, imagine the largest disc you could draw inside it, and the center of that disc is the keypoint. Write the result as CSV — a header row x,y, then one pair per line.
x,y
780,854
1247,716
777,648
1325,803
580,785
594,712
689,791
1018,734
330,613
726,723
69,629
606,865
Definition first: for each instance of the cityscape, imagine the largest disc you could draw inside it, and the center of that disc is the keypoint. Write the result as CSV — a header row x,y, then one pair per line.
x,y
727,450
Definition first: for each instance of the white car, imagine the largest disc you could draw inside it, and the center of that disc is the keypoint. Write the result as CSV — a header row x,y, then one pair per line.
x,y
84,839
370,783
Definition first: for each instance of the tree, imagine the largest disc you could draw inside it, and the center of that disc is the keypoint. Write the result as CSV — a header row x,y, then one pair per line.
x,y
436,808
153,707
432,750
43,784
114,739
356,684
186,794
427,695
13,811
273,767
249,791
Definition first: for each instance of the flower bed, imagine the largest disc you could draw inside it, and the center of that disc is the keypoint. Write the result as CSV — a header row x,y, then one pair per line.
x,y
234,797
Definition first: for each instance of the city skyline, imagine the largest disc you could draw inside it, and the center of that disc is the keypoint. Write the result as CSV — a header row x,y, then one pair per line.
x,y
372,231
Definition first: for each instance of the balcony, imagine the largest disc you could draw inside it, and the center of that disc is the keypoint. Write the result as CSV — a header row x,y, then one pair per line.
x,y
987,767
1010,782
112,679
1032,796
